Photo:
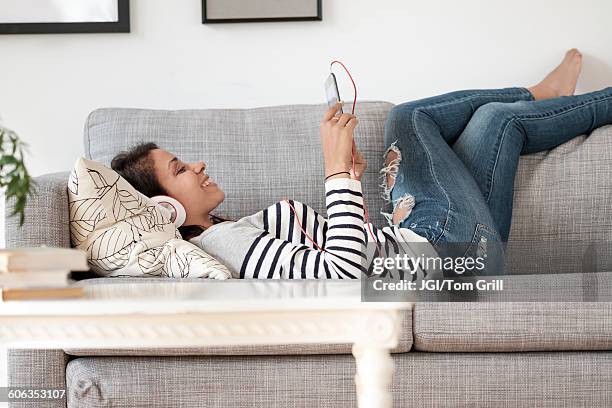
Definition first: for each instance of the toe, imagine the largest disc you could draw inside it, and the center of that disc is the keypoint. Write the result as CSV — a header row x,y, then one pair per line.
x,y
573,53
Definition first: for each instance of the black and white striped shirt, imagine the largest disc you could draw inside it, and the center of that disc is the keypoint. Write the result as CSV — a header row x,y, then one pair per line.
x,y
270,244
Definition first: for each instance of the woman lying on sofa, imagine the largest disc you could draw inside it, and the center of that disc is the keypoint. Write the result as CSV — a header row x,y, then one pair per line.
x,y
449,175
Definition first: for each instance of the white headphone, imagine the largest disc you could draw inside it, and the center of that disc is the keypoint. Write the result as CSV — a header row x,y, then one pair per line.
x,y
176,209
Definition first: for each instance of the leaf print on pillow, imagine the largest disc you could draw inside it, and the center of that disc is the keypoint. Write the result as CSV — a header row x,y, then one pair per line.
x,y
125,204
152,261
84,216
150,219
112,262
178,263
157,219
124,233
73,183
110,249
188,261
101,186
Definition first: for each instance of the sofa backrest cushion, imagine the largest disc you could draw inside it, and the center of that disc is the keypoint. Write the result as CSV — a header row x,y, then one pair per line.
x,y
562,214
562,201
257,156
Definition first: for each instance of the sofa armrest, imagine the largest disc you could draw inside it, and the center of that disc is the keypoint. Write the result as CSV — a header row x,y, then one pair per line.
x,y
46,215
32,368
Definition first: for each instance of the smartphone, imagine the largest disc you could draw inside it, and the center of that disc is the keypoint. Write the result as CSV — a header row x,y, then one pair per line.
x,y
331,91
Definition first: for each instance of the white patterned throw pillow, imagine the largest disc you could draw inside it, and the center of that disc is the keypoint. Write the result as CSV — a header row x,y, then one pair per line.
x,y
125,233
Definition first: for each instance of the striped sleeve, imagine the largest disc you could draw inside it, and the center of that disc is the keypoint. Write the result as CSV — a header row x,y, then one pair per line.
x,y
283,251
345,238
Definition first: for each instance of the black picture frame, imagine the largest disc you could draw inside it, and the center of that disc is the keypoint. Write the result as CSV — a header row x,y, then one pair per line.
x,y
207,20
120,26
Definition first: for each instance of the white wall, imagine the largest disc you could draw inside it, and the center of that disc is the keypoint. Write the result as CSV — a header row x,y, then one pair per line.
x,y
397,50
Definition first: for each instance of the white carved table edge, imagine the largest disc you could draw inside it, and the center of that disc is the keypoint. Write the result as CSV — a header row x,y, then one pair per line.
x,y
372,328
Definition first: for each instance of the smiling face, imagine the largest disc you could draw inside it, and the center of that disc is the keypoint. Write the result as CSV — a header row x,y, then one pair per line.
x,y
188,183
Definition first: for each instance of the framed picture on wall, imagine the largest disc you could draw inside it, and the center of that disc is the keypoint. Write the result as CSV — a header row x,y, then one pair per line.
x,y
64,16
243,11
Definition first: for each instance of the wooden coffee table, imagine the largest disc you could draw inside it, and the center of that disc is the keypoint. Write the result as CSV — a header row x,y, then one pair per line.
x,y
249,313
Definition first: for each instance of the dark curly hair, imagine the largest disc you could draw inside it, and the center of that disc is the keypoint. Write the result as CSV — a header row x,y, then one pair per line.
x,y
135,165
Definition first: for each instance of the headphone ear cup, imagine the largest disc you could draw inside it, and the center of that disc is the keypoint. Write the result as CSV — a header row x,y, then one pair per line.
x,y
178,215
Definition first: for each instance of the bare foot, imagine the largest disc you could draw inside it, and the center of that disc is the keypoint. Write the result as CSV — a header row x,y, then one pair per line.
x,y
562,80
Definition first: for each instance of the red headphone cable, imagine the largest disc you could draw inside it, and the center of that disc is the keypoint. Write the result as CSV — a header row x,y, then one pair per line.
x,y
365,209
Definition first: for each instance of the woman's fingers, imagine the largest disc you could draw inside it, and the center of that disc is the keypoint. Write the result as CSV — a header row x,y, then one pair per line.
x,y
352,123
337,140
331,112
360,165
344,119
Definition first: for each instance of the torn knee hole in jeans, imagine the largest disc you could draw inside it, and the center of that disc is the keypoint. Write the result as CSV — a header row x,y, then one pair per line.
x,y
402,206
393,157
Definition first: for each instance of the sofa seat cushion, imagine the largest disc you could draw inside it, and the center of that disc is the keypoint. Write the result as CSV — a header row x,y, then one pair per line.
x,y
215,381
242,290
485,380
512,326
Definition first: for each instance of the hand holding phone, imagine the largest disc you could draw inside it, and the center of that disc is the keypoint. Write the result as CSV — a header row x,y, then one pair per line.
x,y
337,140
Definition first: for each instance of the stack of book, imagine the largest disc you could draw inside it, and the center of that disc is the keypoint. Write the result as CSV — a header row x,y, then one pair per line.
x,y
40,273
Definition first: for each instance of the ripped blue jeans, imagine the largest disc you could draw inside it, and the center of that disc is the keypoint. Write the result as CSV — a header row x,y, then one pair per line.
x,y
455,156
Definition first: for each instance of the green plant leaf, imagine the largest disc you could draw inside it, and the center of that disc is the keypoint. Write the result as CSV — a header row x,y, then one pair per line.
x,y
6,159
18,183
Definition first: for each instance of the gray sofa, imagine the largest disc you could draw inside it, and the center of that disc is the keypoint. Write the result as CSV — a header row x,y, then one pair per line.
x,y
491,354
